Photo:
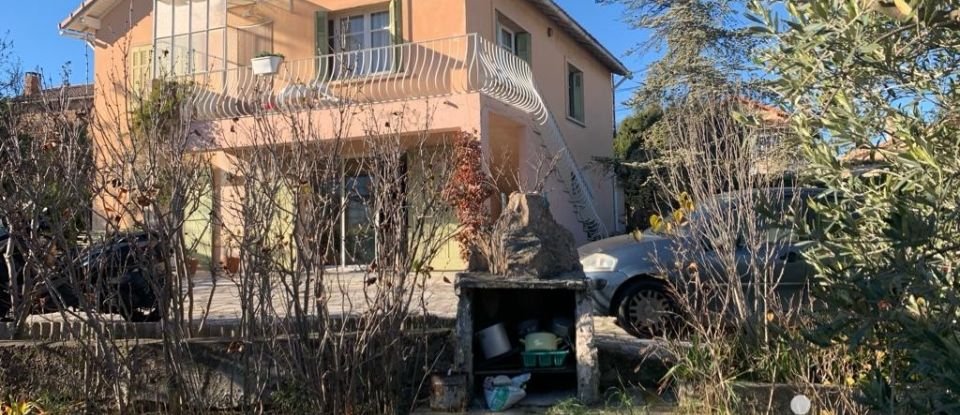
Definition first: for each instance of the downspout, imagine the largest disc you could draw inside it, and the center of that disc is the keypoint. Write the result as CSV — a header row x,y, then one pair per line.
x,y
614,182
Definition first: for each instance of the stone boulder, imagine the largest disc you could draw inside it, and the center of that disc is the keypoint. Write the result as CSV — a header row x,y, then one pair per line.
x,y
528,242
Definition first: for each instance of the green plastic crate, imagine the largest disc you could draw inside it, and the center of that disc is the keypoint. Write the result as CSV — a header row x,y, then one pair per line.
x,y
544,358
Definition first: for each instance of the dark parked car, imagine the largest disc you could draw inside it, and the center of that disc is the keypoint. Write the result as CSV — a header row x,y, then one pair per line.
x,y
118,275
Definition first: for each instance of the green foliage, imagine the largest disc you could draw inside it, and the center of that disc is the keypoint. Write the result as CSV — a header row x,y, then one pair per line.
x,y
886,251
632,134
265,54
705,46
159,116
160,112
619,401
15,407
636,148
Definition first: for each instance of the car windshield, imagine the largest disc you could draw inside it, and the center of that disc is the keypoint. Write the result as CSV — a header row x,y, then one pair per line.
x,y
772,209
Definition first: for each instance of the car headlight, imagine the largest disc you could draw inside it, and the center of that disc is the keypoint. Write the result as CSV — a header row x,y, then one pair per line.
x,y
598,262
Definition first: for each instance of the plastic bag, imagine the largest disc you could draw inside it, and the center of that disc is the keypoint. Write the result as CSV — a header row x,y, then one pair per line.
x,y
503,392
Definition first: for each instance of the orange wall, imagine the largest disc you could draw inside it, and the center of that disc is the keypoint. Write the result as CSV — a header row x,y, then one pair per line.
x,y
550,55
126,26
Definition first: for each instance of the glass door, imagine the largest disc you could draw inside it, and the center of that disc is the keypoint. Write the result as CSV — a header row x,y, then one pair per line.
x,y
359,242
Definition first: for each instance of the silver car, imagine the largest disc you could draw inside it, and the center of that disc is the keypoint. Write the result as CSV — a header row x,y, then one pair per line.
x,y
630,283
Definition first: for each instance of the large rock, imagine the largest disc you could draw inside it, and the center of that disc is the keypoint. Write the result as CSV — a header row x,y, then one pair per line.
x,y
529,242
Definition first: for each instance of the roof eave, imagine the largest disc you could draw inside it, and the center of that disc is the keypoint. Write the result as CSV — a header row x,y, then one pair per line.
x,y
72,21
87,8
571,25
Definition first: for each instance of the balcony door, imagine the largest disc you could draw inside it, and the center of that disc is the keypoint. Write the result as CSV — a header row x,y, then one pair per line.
x,y
362,43
360,225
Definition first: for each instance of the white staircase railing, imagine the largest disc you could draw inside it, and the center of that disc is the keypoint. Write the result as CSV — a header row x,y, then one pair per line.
x,y
578,188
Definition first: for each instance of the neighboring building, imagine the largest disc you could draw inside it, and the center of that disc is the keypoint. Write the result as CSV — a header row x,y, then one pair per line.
x,y
74,101
56,116
522,74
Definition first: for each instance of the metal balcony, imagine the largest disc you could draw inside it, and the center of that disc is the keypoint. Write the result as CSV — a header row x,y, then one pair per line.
x,y
409,71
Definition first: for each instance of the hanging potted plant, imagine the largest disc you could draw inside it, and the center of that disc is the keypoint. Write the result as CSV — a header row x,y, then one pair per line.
x,y
232,263
266,63
192,263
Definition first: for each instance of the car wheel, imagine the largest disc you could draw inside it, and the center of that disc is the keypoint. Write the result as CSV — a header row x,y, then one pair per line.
x,y
647,310
135,299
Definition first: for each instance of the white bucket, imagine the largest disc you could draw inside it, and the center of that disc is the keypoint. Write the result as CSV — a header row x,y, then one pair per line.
x,y
493,340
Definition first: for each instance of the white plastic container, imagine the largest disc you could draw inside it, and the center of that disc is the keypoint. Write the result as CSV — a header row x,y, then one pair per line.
x,y
266,65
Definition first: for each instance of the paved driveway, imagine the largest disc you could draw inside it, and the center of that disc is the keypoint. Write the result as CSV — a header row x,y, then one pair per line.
x,y
348,293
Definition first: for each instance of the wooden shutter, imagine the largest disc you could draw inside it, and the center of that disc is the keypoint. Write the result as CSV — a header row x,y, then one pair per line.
x,y
396,21
523,45
321,43
396,33
140,68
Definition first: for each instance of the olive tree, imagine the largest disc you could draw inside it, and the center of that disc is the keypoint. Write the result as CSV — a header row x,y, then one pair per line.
x,y
856,74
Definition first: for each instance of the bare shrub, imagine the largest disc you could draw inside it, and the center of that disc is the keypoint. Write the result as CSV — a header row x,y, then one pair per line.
x,y
328,340
740,295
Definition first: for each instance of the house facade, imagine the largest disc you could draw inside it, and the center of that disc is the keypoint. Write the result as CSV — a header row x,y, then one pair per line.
x,y
522,75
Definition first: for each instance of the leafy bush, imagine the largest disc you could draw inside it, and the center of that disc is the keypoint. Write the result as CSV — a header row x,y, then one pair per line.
x,y
856,74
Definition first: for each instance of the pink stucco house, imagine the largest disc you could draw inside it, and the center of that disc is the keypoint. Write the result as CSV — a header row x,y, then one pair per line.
x,y
522,74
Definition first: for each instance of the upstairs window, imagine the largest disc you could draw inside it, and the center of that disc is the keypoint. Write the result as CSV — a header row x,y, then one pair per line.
x,y
363,42
513,38
189,36
575,109
508,39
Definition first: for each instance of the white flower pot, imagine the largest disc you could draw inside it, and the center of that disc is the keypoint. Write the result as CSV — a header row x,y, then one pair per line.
x,y
266,65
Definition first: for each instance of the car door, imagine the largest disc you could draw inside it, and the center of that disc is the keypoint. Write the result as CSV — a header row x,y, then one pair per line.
x,y
787,256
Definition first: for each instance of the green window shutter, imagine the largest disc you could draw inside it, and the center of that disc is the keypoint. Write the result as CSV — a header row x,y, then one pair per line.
x,y
396,32
579,95
321,43
575,78
396,21
524,47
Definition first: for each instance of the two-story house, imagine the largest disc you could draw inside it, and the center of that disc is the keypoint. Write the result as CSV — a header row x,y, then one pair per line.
x,y
522,74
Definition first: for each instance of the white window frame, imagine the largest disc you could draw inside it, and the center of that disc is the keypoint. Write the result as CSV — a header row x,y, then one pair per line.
x,y
512,45
567,71
168,64
339,38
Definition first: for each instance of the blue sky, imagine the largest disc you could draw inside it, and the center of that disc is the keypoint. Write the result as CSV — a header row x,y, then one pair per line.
x,y
32,25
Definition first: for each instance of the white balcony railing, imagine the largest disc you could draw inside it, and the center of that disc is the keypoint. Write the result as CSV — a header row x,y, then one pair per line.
x,y
409,71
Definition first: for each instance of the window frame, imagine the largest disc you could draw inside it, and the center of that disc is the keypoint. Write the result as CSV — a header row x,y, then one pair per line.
x,y
501,29
211,22
501,24
337,38
571,70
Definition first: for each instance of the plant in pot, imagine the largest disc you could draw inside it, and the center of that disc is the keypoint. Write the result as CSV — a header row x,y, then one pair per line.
x,y
232,264
192,263
266,63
